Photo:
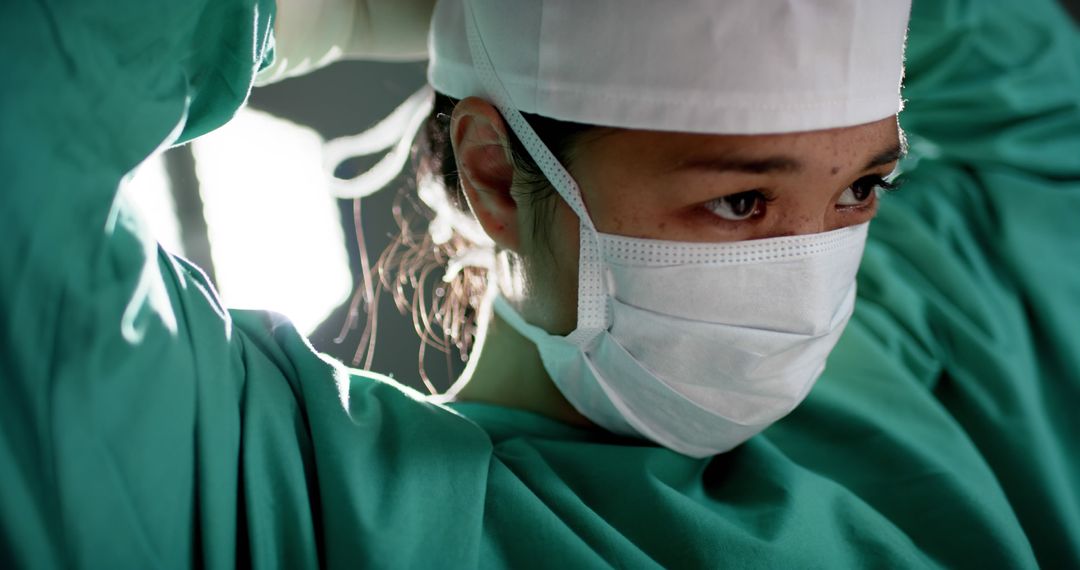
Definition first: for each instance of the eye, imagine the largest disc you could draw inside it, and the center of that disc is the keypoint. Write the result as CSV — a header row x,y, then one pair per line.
x,y
741,206
862,191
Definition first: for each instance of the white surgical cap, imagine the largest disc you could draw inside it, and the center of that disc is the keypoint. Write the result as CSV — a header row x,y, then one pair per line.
x,y
705,66
708,66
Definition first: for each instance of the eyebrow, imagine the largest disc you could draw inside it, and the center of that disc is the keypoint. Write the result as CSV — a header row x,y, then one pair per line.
x,y
780,163
894,153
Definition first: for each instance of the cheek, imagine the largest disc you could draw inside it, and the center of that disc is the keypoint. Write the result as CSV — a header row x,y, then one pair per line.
x,y
550,295
633,208
619,198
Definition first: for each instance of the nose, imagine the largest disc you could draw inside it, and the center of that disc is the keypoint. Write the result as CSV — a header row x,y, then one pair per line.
x,y
811,225
802,223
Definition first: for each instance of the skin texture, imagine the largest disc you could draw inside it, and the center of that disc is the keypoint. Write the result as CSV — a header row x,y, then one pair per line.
x,y
647,184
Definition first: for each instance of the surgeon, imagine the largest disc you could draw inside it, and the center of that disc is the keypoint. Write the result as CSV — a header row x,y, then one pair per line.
x,y
695,347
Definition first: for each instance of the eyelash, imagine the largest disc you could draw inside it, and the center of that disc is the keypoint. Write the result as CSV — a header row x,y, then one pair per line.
x,y
872,183
763,197
760,199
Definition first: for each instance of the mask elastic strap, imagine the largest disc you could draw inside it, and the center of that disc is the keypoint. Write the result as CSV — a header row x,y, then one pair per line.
x,y
593,317
395,133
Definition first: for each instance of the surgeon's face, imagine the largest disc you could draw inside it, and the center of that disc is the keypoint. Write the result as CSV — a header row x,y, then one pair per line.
x,y
689,187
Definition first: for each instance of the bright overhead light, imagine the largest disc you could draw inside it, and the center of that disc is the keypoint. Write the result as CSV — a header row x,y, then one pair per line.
x,y
275,232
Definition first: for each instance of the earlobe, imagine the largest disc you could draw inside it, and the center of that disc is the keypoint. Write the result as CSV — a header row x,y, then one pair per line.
x,y
478,135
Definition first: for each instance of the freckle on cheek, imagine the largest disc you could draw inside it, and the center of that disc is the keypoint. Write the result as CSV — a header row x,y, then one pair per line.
x,y
835,169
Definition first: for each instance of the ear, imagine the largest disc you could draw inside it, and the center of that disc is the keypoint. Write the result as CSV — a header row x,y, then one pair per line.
x,y
482,151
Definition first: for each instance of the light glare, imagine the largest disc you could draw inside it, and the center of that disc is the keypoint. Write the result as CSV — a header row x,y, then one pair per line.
x,y
274,229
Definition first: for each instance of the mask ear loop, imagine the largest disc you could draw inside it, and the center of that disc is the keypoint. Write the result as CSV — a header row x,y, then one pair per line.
x,y
396,133
593,315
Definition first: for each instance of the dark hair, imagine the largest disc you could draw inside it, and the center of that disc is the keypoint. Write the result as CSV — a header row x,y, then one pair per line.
x,y
412,267
445,313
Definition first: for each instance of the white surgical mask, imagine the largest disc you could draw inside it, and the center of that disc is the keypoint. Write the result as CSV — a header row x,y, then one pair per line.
x,y
709,343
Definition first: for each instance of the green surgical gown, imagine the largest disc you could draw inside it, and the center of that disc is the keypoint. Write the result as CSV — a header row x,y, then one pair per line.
x,y
143,425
